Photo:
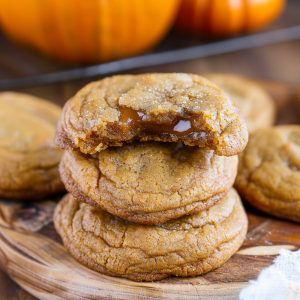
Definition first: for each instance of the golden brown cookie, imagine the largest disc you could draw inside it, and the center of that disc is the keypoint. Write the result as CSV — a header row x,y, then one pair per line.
x,y
161,107
188,246
269,171
150,182
28,157
255,104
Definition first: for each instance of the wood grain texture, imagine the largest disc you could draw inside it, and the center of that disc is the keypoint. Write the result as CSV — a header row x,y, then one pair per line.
x,y
11,290
32,254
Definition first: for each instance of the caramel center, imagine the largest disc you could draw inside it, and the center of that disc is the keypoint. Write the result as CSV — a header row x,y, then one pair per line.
x,y
137,119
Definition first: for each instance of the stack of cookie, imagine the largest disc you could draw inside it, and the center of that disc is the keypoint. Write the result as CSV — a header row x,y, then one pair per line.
x,y
150,164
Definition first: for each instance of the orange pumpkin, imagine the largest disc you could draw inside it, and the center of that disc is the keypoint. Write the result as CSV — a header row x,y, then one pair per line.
x,y
227,17
87,31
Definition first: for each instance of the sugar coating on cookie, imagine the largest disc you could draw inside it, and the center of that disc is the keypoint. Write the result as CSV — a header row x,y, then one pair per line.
x,y
188,246
149,182
253,101
28,157
269,171
159,107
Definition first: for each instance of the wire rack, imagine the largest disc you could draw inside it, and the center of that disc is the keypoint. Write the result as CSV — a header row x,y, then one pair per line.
x,y
21,67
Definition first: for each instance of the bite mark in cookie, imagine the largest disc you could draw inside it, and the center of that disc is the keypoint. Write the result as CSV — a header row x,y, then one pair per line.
x,y
152,107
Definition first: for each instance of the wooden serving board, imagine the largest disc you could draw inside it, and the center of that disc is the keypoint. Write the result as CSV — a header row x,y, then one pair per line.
x,y
32,254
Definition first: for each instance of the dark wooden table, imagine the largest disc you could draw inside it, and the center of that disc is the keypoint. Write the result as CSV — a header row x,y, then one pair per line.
x,y
280,62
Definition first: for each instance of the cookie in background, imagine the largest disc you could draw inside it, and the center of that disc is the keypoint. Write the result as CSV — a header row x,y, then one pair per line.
x,y
253,101
28,157
268,173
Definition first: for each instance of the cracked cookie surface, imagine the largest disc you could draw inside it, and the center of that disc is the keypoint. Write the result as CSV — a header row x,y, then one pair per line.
x,y
173,107
28,157
188,246
269,171
149,182
253,101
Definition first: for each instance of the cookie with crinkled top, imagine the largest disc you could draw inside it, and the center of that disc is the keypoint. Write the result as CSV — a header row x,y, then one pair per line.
x,y
28,157
188,246
253,101
269,171
173,107
149,182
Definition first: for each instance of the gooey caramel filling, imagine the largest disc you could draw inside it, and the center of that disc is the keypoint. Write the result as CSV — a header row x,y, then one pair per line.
x,y
131,119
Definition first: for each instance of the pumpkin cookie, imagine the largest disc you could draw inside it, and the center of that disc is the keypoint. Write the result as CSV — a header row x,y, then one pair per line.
x,y
188,246
150,182
161,107
269,171
255,104
28,157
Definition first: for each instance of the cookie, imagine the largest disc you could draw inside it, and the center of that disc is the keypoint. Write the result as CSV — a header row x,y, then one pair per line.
x,y
151,107
188,246
28,157
149,182
269,171
253,101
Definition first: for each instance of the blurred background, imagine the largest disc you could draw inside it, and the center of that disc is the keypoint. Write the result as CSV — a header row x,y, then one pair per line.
x,y
52,48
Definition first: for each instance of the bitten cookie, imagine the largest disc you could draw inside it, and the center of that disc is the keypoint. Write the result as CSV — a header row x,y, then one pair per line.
x,y
269,171
255,104
28,157
188,246
151,107
150,182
